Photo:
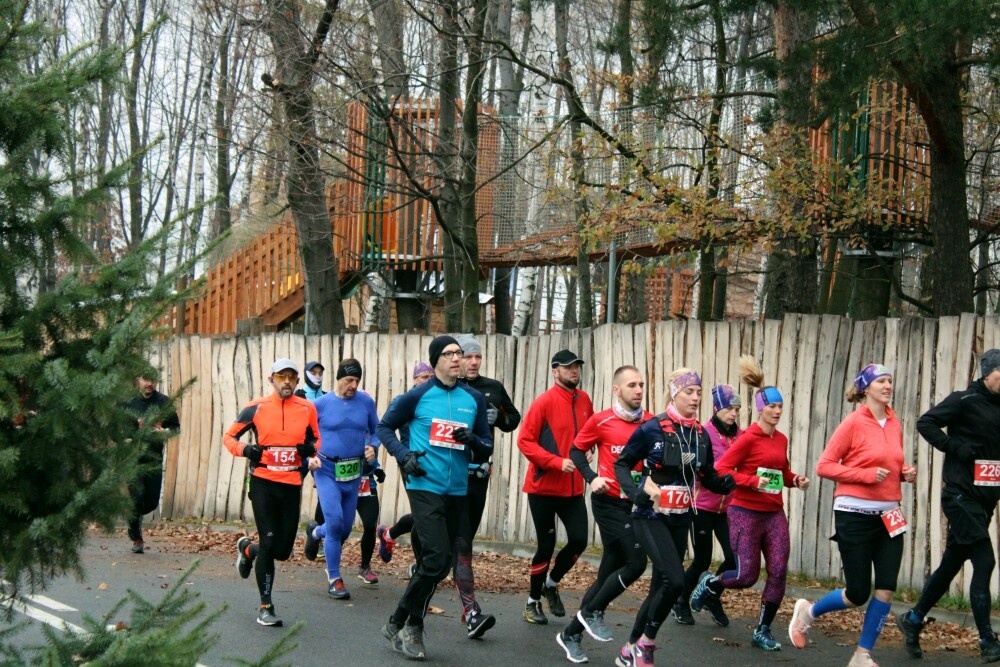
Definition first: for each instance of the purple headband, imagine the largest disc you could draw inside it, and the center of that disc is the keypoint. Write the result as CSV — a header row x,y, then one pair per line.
x,y
421,368
725,396
869,374
683,382
766,397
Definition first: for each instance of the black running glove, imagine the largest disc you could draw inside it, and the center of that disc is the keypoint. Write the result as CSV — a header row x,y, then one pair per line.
x,y
379,475
409,465
253,452
305,451
465,436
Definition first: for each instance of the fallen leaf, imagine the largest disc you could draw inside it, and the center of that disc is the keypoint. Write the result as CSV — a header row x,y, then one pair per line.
x,y
102,586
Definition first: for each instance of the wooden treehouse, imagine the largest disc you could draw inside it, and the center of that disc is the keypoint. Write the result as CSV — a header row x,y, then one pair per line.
x,y
383,227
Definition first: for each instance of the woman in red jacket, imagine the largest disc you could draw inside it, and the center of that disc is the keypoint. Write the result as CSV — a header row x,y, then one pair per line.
x,y
758,461
865,458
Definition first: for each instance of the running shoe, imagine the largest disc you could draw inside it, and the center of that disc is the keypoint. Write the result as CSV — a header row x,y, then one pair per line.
x,y
762,639
533,613
642,654
593,623
551,594
989,650
571,644
701,592
138,547
366,575
910,626
338,591
682,613
625,658
385,543
862,660
266,616
478,623
798,629
411,640
312,543
244,563
713,603
391,632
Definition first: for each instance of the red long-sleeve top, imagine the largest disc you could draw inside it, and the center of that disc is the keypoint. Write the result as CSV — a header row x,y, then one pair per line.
x,y
753,450
855,452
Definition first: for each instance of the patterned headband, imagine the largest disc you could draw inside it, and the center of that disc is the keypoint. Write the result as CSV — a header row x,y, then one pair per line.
x,y
690,379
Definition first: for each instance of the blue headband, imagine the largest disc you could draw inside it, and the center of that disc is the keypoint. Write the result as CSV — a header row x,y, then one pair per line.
x,y
766,397
869,374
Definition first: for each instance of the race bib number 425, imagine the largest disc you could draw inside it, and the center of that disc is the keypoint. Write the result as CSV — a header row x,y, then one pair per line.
x,y
443,434
986,473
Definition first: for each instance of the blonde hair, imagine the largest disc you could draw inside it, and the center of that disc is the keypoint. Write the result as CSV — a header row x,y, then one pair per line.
x,y
853,394
750,372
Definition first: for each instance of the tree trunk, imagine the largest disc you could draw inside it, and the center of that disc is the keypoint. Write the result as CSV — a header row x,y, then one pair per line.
x,y
389,23
135,227
528,278
792,275
449,206
578,169
223,138
295,63
469,257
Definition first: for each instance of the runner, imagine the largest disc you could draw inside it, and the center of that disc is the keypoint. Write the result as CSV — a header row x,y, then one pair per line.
x,y
145,489
674,454
387,536
368,509
711,519
623,560
865,458
347,418
286,432
971,476
758,461
314,382
552,482
446,420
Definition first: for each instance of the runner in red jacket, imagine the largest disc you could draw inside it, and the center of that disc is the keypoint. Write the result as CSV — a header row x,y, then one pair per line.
x,y
553,484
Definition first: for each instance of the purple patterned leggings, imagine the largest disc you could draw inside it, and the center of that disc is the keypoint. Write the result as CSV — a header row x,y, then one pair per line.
x,y
754,533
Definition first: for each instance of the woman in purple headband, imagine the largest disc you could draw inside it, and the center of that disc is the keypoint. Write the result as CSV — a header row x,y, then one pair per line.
x,y
675,455
865,458
758,461
710,518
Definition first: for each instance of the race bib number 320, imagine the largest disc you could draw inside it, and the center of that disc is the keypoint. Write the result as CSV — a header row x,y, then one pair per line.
x,y
986,473
443,434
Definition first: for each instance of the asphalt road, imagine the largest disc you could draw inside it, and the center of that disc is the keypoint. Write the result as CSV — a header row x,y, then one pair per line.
x,y
338,632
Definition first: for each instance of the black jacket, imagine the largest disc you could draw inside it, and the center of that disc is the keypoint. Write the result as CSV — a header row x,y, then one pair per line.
x,y
496,396
675,455
972,420
155,404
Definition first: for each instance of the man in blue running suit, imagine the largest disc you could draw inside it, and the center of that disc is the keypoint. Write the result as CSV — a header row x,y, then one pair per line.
x,y
447,420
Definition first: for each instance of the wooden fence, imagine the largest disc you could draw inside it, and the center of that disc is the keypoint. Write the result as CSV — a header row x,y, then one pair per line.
x,y
810,358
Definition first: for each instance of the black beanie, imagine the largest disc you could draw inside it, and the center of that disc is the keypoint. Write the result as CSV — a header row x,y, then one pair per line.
x,y
437,347
350,367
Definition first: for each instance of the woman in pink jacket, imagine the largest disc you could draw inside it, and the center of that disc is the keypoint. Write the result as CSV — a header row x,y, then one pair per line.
x,y
710,519
865,458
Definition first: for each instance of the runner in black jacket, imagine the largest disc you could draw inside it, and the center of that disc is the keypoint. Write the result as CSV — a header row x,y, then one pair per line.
x,y
971,475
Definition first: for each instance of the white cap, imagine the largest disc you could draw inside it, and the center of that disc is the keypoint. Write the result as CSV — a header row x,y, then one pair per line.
x,y
284,365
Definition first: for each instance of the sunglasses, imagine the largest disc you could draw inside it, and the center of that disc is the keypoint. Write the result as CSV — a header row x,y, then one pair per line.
x,y
285,377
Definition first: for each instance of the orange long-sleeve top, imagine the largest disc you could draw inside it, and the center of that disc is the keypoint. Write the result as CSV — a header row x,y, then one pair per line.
x,y
855,452
278,424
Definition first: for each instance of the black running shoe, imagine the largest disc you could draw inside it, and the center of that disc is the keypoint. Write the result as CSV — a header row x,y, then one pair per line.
x,y
713,603
478,623
989,650
682,613
551,594
312,544
533,613
910,626
244,564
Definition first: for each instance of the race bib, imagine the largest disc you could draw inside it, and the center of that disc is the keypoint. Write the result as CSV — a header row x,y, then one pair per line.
x,y
443,434
986,473
365,488
775,481
280,458
347,470
894,521
636,480
674,500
